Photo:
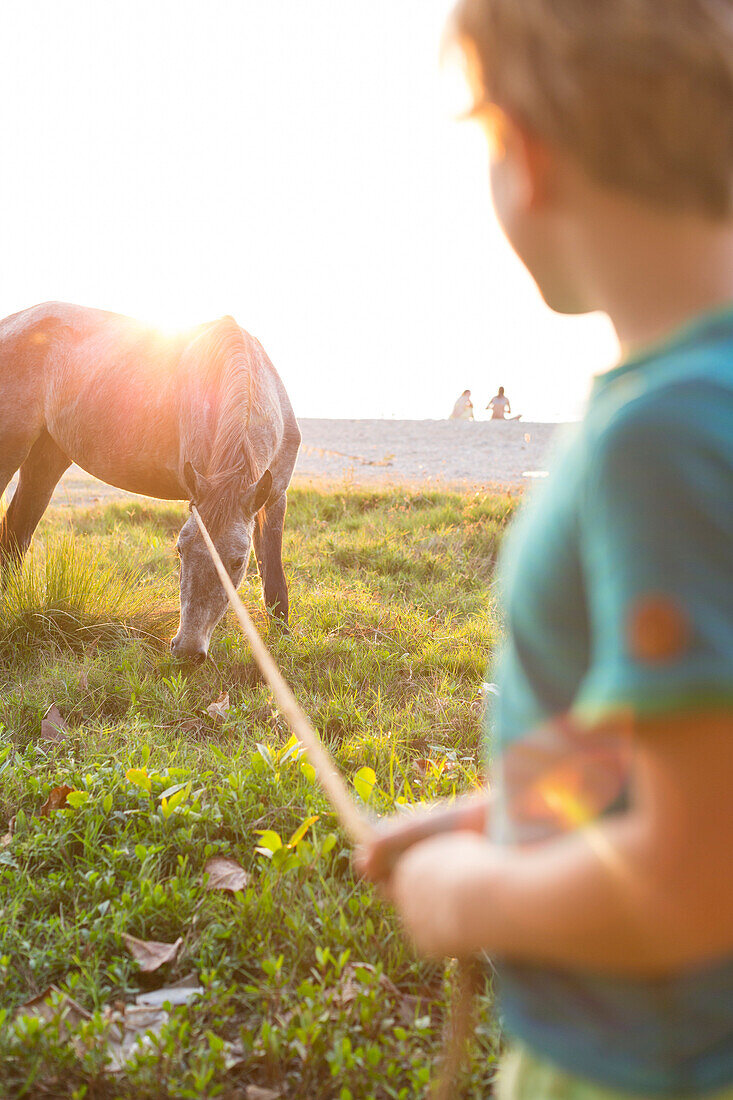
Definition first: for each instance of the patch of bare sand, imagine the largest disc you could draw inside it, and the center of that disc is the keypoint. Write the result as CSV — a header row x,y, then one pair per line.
x,y
449,452
452,453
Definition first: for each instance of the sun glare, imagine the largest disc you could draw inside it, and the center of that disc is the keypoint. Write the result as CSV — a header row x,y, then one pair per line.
x,y
170,323
237,196
456,87
574,811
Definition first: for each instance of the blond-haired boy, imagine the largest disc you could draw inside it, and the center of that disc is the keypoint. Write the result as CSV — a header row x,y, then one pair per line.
x,y
611,129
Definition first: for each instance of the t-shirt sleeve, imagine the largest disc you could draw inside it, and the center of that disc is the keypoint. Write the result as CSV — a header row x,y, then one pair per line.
x,y
656,546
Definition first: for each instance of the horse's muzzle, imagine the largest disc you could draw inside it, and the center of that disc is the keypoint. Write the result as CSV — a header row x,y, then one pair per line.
x,y
184,653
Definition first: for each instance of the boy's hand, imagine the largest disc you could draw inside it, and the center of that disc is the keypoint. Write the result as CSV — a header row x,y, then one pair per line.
x,y
377,860
392,838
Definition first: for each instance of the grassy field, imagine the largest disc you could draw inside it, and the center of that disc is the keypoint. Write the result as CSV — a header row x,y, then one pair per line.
x,y
306,987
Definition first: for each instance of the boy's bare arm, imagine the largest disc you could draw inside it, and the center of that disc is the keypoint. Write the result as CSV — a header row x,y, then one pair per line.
x,y
646,893
396,835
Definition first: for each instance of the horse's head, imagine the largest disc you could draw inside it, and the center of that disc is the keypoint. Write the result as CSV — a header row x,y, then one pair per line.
x,y
229,510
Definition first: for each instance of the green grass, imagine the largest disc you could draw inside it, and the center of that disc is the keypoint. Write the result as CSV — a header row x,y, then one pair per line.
x,y
305,971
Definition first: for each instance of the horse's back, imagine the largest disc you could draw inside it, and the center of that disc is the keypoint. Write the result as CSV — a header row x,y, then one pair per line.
x,y
34,340
28,340
50,319
103,382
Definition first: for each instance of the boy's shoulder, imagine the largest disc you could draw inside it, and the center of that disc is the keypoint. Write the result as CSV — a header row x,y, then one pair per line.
x,y
666,418
689,391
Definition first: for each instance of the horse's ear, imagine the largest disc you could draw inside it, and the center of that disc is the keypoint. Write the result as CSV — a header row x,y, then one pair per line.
x,y
195,483
263,488
256,497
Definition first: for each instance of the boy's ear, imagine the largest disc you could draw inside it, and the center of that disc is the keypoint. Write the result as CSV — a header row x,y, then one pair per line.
x,y
539,161
530,161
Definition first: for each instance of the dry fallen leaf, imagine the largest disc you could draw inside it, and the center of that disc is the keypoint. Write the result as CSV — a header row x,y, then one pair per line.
x,y
132,1025
234,1054
254,1092
348,991
218,710
53,726
225,874
179,993
9,835
151,954
68,1010
56,800
128,1032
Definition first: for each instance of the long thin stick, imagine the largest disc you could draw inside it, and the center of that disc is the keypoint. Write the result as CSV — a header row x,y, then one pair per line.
x,y
356,825
461,1023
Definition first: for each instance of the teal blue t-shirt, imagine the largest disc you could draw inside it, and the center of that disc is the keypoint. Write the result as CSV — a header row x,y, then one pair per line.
x,y
618,592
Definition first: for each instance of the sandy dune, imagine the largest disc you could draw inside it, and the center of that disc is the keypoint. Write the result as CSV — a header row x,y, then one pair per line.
x,y
447,452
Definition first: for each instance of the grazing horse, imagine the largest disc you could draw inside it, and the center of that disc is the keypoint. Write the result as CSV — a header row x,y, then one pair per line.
x,y
201,416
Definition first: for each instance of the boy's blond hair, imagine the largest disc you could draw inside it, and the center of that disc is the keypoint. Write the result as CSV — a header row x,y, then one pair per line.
x,y
640,92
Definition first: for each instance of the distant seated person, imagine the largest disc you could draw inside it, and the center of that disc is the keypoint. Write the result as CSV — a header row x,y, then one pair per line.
x,y
463,408
500,407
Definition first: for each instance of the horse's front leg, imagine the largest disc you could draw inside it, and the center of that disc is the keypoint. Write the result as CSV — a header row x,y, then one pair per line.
x,y
13,453
38,478
268,541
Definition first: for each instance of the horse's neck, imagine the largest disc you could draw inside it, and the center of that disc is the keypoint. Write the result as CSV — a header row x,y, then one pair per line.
x,y
198,410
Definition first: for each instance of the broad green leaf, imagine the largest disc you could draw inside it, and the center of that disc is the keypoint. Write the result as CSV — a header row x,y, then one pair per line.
x,y
179,795
181,773
139,777
269,840
302,830
308,771
328,843
6,757
293,749
266,755
77,798
364,782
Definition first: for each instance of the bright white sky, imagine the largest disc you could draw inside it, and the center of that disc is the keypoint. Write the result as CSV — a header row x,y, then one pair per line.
x,y
291,163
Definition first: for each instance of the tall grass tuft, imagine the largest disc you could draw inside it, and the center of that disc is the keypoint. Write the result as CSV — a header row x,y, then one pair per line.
x,y
63,597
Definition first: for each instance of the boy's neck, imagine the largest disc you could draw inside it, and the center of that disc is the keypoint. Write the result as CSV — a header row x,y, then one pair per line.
x,y
653,273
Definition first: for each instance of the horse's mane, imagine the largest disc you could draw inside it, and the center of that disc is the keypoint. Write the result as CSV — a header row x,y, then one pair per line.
x,y
229,360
